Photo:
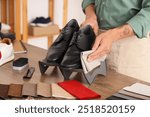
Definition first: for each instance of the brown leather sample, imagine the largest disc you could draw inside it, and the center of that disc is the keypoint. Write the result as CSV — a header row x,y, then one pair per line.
x,y
15,90
44,90
29,89
4,90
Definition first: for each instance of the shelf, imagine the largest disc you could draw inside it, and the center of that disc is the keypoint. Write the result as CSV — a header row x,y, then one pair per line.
x,y
11,8
44,31
26,31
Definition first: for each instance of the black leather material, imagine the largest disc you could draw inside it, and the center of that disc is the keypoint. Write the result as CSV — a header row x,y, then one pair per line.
x,y
59,47
82,41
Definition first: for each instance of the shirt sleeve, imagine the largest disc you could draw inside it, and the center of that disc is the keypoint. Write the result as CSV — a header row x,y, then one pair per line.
x,y
86,3
141,22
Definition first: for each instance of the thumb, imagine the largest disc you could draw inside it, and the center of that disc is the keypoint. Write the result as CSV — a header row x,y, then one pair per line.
x,y
95,30
96,44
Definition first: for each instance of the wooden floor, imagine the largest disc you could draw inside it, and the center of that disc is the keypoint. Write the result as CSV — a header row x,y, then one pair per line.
x,y
105,86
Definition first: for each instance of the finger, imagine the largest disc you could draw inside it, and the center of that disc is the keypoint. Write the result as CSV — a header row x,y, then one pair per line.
x,y
97,56
96,30
95,53
97,43
98,52
83,24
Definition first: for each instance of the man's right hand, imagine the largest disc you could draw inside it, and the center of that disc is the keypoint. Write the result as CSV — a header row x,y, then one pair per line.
x,y
91,18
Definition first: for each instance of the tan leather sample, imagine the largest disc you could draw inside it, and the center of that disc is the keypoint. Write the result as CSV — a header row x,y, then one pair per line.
x,y
15,90
29,89
44,90
4,90
59,92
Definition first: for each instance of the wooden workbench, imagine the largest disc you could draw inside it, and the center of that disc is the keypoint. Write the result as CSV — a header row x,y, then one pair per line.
x,y
105,86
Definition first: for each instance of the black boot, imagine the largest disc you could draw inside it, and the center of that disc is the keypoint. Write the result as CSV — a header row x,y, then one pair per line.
x,y
81,41
59,47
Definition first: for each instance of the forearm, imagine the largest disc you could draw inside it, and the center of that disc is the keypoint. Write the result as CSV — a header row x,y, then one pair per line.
x,y
123,32
90,12
91,18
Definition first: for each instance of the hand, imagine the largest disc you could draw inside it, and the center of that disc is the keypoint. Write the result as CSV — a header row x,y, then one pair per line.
x,y
102,45
93,23
104,41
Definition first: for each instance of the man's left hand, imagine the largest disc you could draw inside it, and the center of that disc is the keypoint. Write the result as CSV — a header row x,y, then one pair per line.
x,y
104,41
102,45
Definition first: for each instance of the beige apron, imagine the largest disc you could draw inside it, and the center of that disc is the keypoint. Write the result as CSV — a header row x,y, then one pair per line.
x,y
131,57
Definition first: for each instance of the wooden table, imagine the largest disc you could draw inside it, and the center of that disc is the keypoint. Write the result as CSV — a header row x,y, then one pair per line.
x,y
105,86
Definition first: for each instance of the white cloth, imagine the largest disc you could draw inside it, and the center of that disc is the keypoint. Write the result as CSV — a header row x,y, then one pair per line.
x,y
131,57
89,66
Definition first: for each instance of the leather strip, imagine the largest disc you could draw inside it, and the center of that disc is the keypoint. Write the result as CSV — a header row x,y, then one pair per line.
x,y
29,89
4,90
15,90
44,90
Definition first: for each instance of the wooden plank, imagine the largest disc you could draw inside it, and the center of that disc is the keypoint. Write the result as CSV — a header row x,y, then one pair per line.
x,y
11,14
18,19
25,21
65,12
50,41
51,9
4,11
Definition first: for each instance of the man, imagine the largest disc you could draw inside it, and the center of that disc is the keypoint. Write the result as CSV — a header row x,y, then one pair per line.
x,y
125,22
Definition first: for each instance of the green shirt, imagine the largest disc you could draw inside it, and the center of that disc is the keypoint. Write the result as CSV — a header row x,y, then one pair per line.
x,y
114,13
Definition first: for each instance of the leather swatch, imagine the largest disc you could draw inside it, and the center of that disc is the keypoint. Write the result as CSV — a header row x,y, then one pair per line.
x,y
29,89
114,98
59,92
134,95
4,90
44,90
15,90
139,88
78,90
125,97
